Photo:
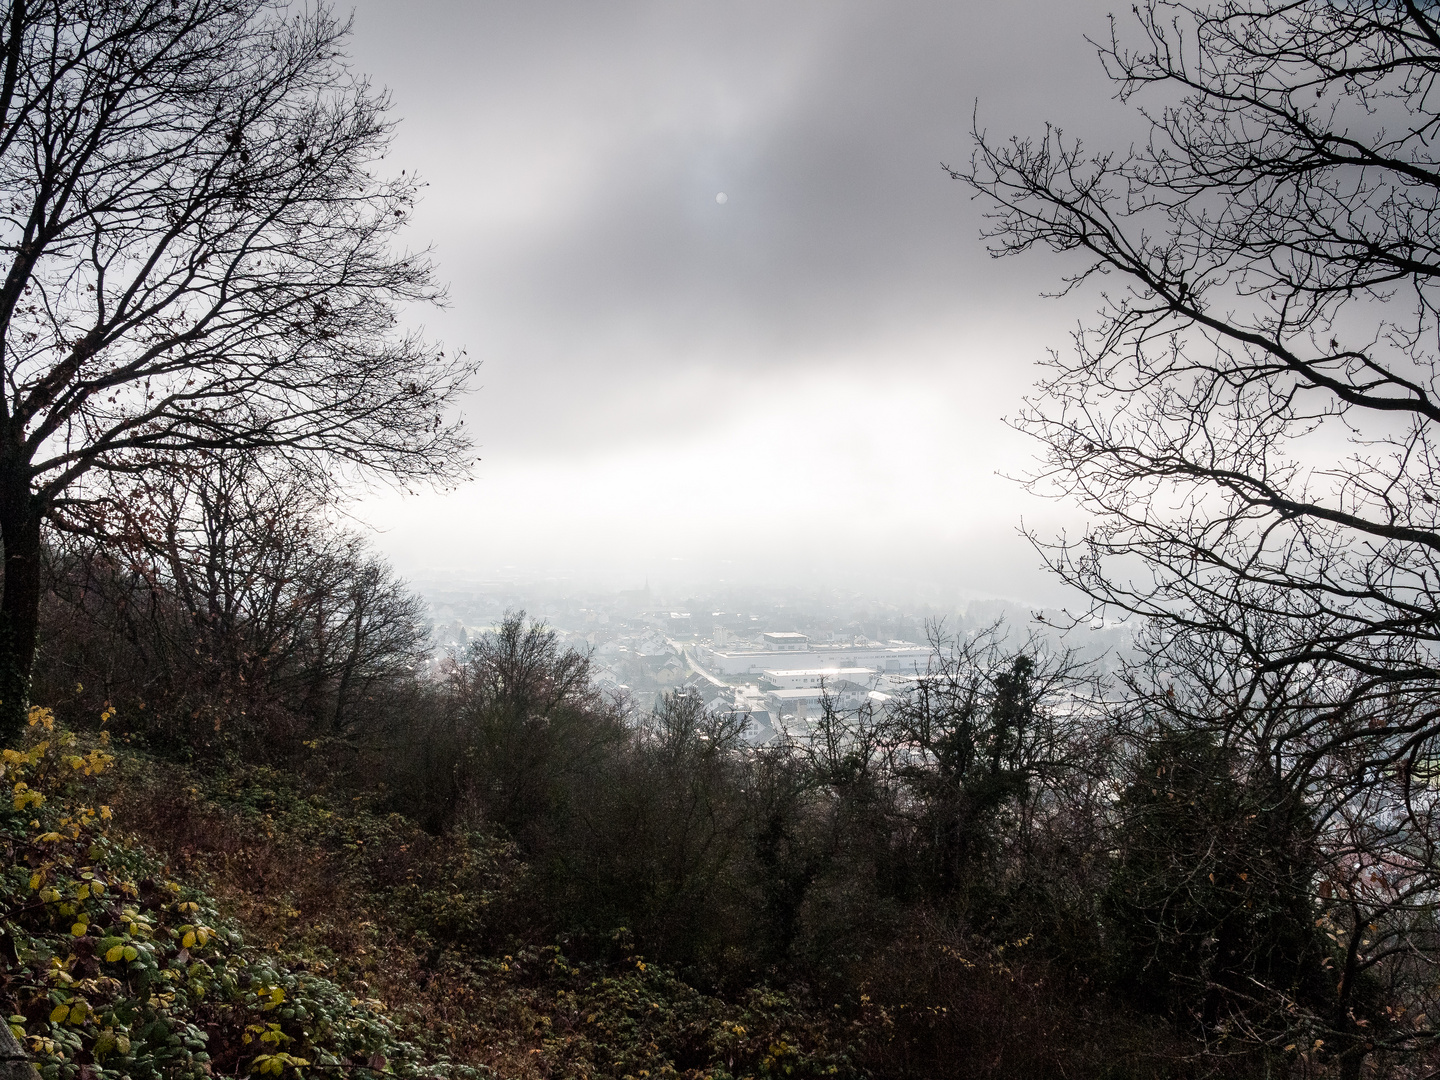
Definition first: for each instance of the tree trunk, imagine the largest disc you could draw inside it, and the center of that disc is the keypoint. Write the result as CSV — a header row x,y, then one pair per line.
x,y
20,601
15,1063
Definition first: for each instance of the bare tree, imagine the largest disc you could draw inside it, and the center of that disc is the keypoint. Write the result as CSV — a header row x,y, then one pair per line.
x,y
526,723
235,606
1252,419
1253,414
199,259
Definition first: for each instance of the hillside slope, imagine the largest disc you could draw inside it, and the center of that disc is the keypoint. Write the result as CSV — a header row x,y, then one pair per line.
x,y
161,922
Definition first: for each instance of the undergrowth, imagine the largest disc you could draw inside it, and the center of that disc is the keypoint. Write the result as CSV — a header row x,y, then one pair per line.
x,y
161,921
117,969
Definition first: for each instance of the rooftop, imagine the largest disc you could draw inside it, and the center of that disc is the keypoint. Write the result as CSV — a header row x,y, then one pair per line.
x,y
792,673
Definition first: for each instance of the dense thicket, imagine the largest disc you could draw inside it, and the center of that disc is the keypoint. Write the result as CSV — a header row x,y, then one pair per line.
x,y
231,613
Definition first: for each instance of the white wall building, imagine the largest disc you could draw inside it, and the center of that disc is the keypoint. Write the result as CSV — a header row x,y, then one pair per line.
x,y
787,641
782,679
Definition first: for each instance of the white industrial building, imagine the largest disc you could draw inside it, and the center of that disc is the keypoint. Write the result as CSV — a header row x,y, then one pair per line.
x,y
782,679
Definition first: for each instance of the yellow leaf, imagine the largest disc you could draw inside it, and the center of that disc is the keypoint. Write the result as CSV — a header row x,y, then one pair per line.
x,y
131,952
115,954
35,880
78,929
59,1013
122,1043
188,939
77,1012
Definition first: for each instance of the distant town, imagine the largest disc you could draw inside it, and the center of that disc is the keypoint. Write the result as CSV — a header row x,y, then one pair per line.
x,y
774,658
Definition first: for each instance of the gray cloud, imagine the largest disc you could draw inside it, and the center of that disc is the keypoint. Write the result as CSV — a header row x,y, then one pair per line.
x,y
574,151
825,123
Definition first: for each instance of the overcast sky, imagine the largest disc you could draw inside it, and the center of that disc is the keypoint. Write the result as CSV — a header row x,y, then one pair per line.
x,y
803,382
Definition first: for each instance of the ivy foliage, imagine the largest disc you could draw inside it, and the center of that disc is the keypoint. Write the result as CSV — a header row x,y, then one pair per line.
x,y
629,1019
112,969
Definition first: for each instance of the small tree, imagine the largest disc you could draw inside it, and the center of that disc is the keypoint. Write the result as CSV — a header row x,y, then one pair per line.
x,y
1211,896
979,738
198,260
527,724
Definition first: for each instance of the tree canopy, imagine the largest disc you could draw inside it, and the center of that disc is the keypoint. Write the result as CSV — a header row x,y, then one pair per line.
x,y
199,249
1252,421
